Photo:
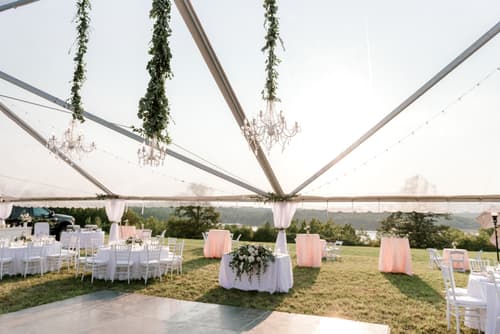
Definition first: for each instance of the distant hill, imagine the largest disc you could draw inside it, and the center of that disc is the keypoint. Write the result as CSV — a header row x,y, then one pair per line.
x,y
368,221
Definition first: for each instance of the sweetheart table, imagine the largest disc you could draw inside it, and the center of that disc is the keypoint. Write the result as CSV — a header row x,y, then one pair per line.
x,y
277,278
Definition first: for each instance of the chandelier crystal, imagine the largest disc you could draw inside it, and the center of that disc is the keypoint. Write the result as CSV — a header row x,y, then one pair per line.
x,y
152,153
72,143
269,128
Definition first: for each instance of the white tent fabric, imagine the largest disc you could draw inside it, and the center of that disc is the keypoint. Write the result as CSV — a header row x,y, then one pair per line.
x,y
282,215
337,84
5,210
114,234
115,209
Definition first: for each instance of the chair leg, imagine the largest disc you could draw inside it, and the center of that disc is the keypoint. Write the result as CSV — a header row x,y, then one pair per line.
x,y
457,316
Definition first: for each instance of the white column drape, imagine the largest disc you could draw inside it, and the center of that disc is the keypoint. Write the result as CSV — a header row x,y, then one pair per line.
x,y
282,214
114,210
5,210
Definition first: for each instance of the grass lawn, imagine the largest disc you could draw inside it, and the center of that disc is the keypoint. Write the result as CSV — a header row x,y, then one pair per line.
x,y
351,289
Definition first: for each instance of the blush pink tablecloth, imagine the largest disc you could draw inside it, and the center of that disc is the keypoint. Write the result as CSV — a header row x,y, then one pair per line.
x,y
217,244
127,231
309,250
395,256
446,256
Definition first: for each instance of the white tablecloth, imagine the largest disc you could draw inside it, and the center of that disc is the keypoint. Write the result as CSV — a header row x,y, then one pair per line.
x,y
85,238
17,254
138,253
277,278
13,232
479,287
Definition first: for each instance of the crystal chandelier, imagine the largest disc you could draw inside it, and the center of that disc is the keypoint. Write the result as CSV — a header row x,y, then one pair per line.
x,y
152,153
269,128
72,143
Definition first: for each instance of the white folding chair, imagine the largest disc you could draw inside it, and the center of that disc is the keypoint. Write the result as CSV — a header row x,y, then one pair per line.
x,y
478,266
6,264
91,262
42,229
123,262
434,258
174,260
151,262
236,242
34,258
457,260
457,304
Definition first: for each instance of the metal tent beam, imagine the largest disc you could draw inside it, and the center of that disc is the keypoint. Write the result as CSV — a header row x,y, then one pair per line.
x,y
406,103
129,134
33,133
15,4
199,36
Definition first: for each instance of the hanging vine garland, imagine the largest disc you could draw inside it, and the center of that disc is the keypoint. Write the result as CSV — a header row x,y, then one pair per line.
x,y
154,110
82,20
271,24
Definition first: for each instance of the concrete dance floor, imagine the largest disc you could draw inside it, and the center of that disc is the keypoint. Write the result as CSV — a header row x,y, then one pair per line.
x,y
119,313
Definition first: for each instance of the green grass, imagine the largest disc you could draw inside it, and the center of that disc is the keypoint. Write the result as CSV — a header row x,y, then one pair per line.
x,y
351,289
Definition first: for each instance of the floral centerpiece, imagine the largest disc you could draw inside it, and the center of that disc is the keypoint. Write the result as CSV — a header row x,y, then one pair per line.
x,y
250,259
25,217
133,241
23,238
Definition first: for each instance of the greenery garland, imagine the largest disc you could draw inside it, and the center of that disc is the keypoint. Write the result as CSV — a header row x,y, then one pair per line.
x,y
273,197
82,20
250,260
154,110
272,61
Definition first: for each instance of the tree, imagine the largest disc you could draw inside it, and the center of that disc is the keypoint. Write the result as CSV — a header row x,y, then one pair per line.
x,y
190,221
418,227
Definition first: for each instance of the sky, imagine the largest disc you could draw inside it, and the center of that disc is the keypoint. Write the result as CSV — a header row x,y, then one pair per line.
x,y
345,66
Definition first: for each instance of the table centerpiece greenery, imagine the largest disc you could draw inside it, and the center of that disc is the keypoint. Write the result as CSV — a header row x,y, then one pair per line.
x,y
250,259
133,241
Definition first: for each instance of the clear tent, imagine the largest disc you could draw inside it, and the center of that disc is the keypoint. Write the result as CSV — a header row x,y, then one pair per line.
x,y
344,68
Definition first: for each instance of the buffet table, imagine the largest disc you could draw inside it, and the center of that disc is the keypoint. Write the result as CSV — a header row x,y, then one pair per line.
x,y
309,249
217,244
277,278
85,238
395,256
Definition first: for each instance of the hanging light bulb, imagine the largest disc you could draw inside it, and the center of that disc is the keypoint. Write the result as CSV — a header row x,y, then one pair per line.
x,y
269,128
152,153
72,143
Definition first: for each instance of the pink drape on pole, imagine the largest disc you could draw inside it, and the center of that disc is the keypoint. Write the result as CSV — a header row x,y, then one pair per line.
x,y
282,215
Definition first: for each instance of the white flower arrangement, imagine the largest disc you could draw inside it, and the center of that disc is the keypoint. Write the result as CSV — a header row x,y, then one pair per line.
x,y
25,217
251,260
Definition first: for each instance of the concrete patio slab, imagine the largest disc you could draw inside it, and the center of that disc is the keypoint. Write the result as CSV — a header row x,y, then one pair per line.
x,y
114,312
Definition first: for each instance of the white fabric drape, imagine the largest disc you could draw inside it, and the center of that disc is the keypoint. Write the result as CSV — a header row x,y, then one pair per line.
x,y
282,215
115,209
5,210
114,234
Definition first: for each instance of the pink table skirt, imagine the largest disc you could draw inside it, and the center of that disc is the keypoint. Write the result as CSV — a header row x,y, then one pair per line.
x,y
446,256
127,232
217,244
395,256
309,250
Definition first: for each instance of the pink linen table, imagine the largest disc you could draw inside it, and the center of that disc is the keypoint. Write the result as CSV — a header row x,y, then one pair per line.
x,y
127,232
309,250
217,244
395,256
456,265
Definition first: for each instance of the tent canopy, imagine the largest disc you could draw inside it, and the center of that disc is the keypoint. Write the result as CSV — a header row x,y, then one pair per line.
x,y
344,69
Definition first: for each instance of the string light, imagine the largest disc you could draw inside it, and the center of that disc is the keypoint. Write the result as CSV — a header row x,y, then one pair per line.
x,y
415,130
